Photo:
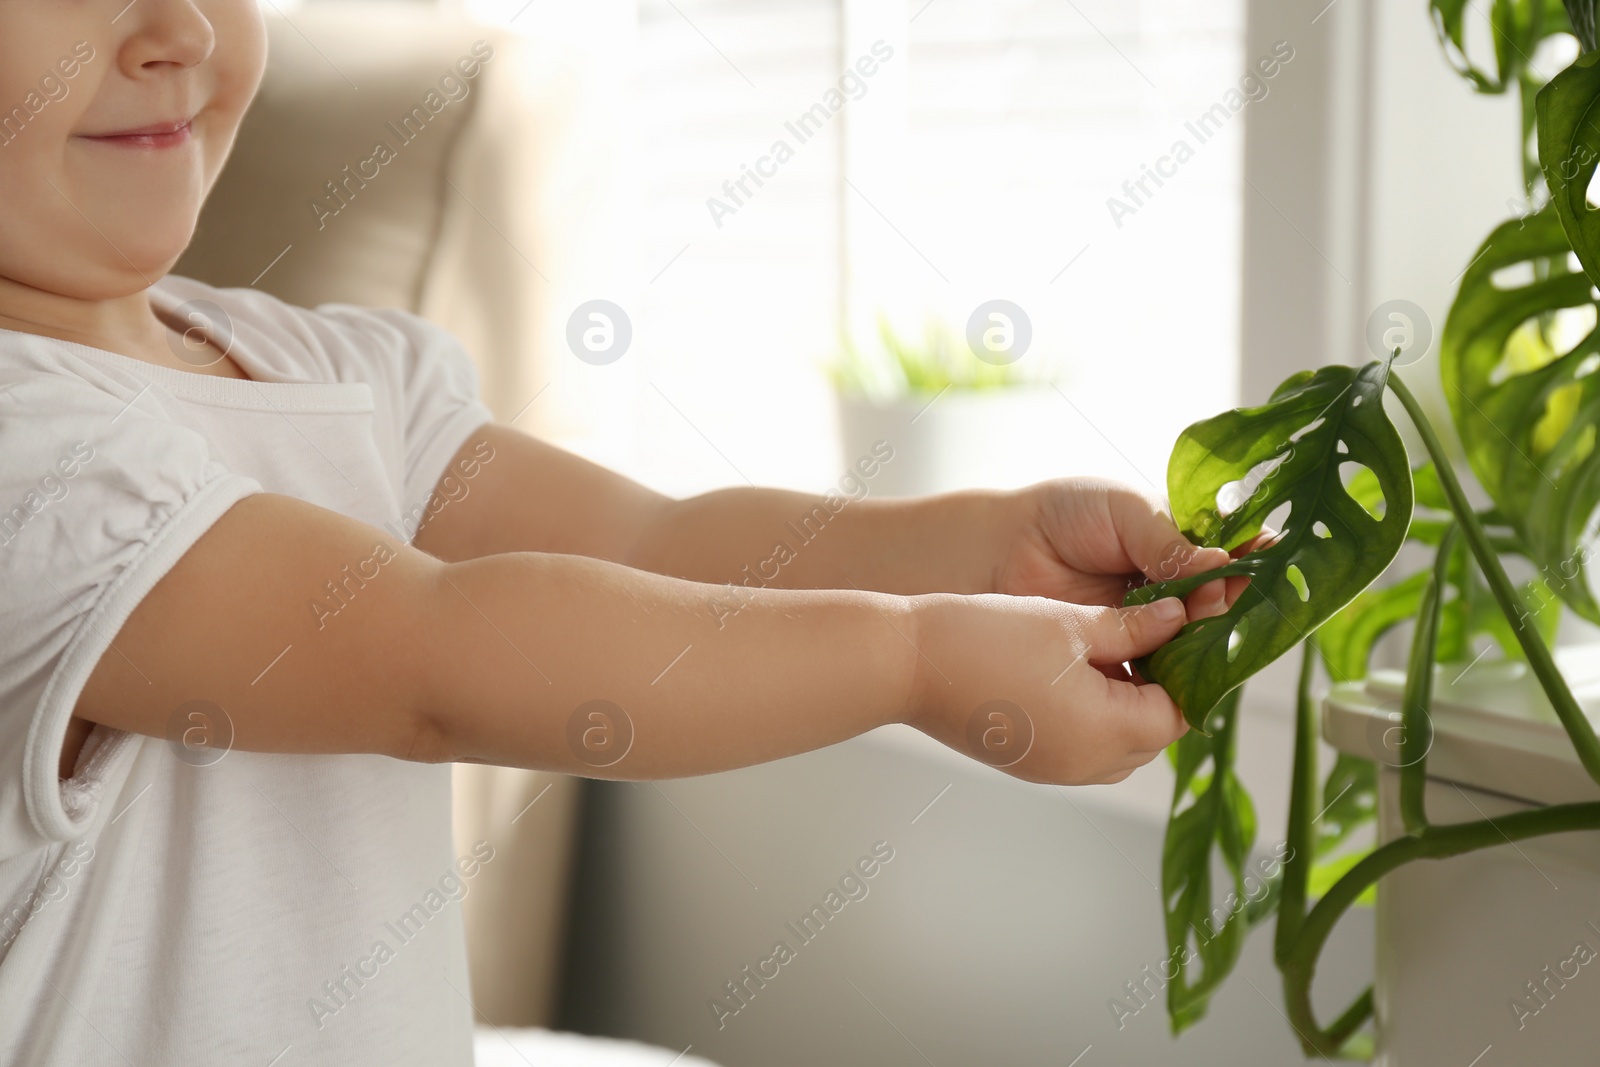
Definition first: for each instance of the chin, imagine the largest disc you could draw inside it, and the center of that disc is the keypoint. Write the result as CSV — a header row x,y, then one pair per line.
x,y
155,246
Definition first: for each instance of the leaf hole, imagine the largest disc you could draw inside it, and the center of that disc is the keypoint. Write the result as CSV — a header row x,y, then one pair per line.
x,y
1298,580
1554,52
1320,528
1349,470
1294,438
1516,276
1236,638
1537,342
1357,401
1344,449
1587,367
1234,495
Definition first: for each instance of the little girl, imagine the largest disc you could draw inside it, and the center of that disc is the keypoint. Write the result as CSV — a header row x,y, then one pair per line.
x,y
234,672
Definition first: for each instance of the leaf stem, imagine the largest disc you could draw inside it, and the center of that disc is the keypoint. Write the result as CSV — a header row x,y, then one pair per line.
x,y
1302,799
1577,724
1434,842
1416,728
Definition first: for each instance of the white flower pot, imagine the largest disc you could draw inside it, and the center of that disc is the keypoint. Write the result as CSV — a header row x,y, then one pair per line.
x,y
1485,958
999,438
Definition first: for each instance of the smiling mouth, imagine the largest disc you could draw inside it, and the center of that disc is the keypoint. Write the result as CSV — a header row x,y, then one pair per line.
x,y
163,135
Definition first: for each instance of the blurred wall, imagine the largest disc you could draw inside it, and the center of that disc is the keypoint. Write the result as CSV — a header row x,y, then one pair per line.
x,y
1009,918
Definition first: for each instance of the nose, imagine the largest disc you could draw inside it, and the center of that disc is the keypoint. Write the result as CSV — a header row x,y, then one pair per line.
x,y
164,35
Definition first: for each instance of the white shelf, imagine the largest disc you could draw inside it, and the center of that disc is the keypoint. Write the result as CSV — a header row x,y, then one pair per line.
x,y
1493,728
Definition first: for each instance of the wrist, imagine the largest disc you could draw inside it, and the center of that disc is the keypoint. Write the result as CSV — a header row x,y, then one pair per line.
x,y
926,619
1011,520
977,530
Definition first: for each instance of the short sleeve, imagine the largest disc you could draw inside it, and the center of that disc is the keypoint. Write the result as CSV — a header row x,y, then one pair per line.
x,y
433,383
100,495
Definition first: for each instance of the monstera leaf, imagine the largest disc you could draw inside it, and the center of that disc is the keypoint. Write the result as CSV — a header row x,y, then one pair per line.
x,y
1524,396
1569,150
1210,811
1517,27
1581,16
1229,473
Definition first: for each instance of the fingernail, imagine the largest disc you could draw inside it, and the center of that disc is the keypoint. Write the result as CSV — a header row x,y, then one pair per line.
x,y
1167,609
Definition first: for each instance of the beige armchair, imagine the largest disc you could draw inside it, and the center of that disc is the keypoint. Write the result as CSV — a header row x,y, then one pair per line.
x,y
448,228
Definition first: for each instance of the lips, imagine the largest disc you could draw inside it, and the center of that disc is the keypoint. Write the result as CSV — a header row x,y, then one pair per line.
x,y
155,135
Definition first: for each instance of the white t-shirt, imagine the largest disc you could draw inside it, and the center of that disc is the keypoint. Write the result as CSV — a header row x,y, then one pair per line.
x,y
159,908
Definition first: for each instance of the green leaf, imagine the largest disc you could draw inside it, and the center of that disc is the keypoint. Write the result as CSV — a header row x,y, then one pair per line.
x,y
1517,25
1524,398
1569,149
1430,493
1330,870
1581,16
1349,799
1346,640
1331,547
1218,818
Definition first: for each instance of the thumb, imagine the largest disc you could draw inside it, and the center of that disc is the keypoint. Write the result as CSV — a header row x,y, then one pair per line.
x,y
1117,635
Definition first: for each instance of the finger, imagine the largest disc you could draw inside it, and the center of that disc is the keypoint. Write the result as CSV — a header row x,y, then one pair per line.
x,y
1117,635
1257,543
1153,542
1145,717
1117,672
1228,590
1210,599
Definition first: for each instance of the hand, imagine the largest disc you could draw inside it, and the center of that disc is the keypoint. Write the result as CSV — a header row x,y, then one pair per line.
x,y
1035,687
1086,540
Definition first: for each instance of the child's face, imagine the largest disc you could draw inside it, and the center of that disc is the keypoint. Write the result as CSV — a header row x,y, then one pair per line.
x,y
96,219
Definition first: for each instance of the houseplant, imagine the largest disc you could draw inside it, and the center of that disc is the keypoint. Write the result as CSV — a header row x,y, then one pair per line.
x,y
1524,401
952,418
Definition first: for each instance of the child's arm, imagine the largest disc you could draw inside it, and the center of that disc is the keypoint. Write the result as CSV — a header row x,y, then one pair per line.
x,y
496,659
1072,539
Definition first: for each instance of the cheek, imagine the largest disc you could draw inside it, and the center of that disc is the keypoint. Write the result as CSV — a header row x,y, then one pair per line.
x,y
240,57
235,74
34,128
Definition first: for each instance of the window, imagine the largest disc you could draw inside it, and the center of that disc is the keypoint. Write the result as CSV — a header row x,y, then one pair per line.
x,y
1014,149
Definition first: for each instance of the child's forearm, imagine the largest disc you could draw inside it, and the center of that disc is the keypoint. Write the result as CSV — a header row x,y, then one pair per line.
x,y
787,540
299,630
581,665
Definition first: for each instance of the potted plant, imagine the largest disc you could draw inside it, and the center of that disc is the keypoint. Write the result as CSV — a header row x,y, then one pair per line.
x,y
1324,454
953,419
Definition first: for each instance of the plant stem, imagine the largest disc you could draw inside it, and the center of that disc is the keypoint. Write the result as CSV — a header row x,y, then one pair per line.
x,y
1577,724
1434,842
1302,804
1416,728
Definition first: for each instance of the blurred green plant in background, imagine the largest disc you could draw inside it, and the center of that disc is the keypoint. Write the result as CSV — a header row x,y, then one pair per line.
x,y
897,367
